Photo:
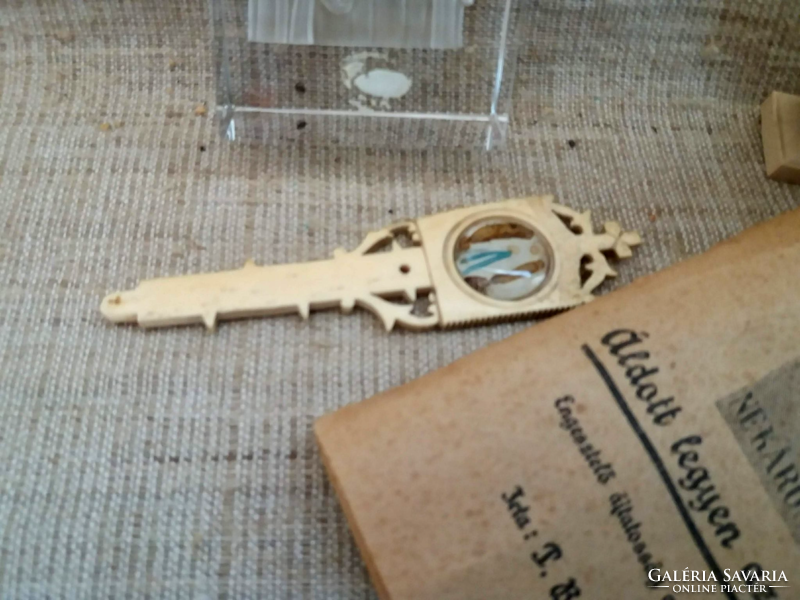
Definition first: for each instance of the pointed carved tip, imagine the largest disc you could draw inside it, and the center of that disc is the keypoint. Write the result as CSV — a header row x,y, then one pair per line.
x,y
210,321
613,228
249,263
304,310
623,240
582,223
347,305
632,238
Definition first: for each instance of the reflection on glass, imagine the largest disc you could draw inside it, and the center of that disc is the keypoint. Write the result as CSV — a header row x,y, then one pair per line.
x,y
502,259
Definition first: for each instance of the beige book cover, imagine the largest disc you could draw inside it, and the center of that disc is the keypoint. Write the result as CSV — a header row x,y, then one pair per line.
x,y
649,436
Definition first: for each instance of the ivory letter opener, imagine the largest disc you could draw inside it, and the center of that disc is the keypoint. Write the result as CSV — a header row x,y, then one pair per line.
x,y
471,265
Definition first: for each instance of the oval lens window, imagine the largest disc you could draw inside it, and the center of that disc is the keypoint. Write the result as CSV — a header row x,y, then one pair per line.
x,y
503,259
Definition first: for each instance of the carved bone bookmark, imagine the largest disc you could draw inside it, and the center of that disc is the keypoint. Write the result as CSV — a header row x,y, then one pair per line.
x,y
497,261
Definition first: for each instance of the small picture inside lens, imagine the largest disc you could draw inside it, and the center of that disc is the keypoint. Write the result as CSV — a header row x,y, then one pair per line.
x,y
502,259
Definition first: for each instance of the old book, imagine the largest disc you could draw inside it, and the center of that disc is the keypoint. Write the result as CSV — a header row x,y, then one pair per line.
x,y
654,431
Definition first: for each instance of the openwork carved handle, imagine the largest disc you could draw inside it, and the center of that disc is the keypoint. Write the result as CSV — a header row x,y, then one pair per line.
x,y
393,276
393,309
593,246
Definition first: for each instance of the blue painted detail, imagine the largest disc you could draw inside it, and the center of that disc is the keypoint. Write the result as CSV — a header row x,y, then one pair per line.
x,y
480,260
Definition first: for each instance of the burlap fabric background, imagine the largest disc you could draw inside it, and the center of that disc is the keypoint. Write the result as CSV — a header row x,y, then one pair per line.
x,y
182,464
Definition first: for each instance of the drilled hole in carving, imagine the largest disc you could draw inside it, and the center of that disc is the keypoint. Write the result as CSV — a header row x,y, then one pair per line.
x,y
405,269
571,225
403,238
418,307
384,245
422,306
394,298
399,237
586,260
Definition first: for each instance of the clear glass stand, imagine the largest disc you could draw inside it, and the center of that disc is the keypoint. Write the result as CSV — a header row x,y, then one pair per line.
x,y
373,96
